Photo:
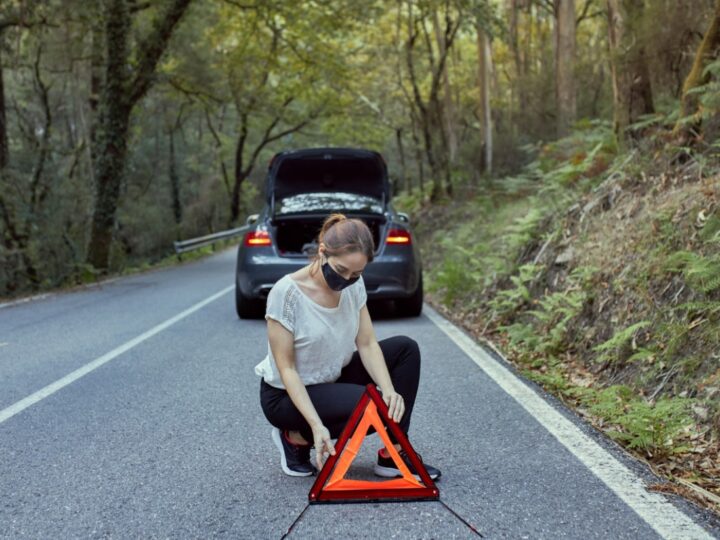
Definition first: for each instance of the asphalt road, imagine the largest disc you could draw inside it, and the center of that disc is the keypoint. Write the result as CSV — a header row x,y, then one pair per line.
x,y
130,410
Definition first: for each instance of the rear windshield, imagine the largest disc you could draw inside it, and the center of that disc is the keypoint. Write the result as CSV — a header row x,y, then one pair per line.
x,y
328,202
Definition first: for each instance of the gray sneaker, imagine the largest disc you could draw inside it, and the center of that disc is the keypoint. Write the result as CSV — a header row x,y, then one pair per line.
x,y
294,458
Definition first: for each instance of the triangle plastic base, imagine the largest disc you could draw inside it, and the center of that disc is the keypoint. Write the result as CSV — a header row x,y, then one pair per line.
x,y
331,486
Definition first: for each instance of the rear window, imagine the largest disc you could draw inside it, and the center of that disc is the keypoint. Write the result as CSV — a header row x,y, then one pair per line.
x,y
327,202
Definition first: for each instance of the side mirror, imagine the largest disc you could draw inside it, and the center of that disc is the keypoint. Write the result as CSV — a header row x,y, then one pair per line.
x,y
402,216
252,218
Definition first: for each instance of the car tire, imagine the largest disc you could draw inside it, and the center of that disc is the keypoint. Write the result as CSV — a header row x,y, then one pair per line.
x,y
412,306
247,308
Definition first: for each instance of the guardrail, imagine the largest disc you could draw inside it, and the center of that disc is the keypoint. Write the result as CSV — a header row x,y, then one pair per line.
x,y
194,243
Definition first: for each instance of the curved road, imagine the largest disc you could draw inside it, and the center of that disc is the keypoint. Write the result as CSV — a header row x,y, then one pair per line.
x,y
130,410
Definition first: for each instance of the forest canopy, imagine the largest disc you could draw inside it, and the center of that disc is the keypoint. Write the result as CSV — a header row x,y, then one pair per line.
x,y
128,124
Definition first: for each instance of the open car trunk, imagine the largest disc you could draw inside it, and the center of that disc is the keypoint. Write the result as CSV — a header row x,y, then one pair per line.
x,y
296,235
328,171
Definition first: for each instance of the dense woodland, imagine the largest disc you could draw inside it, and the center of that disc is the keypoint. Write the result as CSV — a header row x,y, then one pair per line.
x,y
127,124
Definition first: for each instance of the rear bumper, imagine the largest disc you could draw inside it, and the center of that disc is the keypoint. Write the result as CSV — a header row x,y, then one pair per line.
x,y
389,276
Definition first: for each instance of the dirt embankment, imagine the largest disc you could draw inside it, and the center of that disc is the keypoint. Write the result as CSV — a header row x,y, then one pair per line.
x,y
648,246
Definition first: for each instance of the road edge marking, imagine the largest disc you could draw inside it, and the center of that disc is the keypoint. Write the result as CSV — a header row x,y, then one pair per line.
x,y
19,406
660,514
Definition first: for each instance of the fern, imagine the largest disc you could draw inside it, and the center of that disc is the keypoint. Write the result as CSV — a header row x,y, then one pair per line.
x,y
523,229
509,300
701,273
709,307
583,275
652,428
612,346
521,334
557,311
647,120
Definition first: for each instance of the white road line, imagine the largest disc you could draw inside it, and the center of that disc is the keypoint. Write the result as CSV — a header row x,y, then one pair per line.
x,y
51,388
667,520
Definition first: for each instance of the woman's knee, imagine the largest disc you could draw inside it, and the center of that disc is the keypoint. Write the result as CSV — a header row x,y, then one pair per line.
x,y
401,347
410,347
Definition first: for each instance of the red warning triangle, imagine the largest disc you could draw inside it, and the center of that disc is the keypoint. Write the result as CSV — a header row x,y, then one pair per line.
x,y
331,484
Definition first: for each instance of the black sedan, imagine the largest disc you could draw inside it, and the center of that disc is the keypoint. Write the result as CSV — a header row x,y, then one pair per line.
x,y
302,188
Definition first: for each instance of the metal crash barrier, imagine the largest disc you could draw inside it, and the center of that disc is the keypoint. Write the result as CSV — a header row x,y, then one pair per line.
x,y
195,243
188,245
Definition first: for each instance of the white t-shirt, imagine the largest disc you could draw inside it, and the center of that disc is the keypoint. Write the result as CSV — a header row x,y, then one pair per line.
x,y
324,337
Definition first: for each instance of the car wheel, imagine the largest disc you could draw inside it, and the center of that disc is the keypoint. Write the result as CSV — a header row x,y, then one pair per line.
x,y
412,307
247,308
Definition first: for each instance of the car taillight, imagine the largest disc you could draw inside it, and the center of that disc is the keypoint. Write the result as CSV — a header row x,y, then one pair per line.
x,y
398,236
257,238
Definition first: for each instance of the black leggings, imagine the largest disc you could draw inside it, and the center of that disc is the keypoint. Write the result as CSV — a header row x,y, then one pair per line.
x,y
335,402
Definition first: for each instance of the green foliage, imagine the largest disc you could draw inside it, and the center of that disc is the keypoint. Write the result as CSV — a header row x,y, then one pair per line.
x,y
523,229
653,428
708,95
549,371
410,203
710,233
610,350
708,307
508,301
457,273
523,337
583,276
557,310
547,332
84,273
701,273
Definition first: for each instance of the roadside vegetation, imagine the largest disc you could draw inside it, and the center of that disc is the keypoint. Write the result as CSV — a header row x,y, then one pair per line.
x,y
597,273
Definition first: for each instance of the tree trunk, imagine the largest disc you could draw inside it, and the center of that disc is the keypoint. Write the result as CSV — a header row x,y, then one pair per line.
x,y
4,151
418,155
111,134
706,52
239,176
565,65
483,45
401,152
632,93
448,112
96,64
424,120
174,181
524,60
119,96
616,29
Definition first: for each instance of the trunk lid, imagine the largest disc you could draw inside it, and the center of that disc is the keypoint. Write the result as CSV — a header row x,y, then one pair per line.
x,y
328,172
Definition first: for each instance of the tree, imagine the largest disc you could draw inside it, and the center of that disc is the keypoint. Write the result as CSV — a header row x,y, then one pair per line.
x,y
484,56
565,65
280,73
121,92
632,92
430,109
698,76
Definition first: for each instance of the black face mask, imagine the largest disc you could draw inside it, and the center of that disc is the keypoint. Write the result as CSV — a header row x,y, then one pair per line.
x,y
334,280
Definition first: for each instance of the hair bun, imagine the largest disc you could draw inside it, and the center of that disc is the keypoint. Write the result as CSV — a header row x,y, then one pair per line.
x,y
331,220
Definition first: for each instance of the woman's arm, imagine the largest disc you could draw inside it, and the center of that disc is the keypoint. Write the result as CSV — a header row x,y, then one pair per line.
x,y
373,360
283,350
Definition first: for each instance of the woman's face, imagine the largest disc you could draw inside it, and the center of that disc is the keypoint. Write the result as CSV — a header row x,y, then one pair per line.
x,y
348,265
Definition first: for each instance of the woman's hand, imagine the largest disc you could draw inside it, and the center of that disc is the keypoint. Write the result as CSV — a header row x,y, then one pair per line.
x,y
395,403
323,444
